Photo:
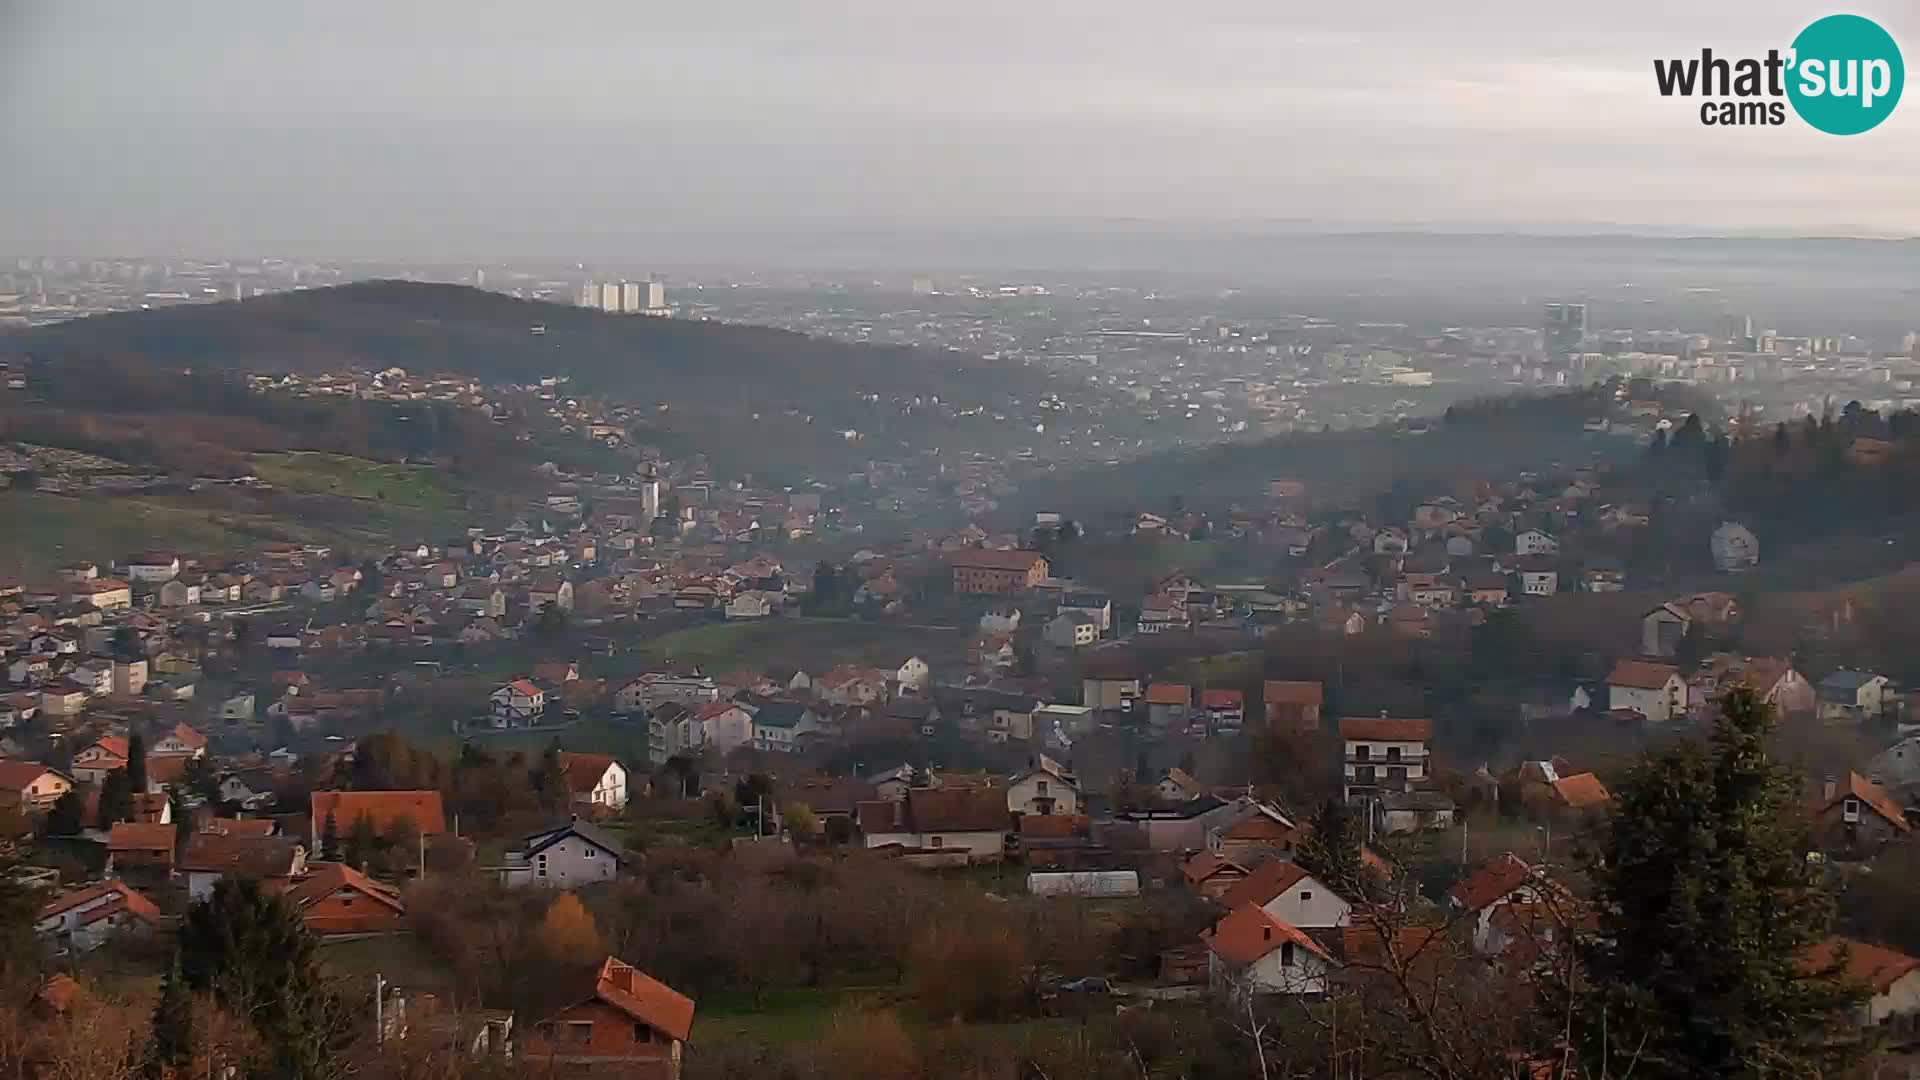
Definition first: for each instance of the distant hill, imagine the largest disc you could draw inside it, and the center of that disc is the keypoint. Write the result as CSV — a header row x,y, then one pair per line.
x,y
425,328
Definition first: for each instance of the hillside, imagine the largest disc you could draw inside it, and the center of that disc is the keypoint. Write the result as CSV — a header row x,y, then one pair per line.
x,y
425,328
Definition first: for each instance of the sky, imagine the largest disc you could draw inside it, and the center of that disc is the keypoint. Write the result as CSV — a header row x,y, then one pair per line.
x,y
482,128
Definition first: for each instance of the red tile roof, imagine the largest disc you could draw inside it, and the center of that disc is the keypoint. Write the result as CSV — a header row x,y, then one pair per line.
x,y
139,836
1870,793
1873,967
990,559
1491,882
1582,791
1222,699
644,998
1249,933
323,880
16,775
584,770
1385,729
1641,674
981,809
1267,881
1206,864
244,856
1169,694
130,899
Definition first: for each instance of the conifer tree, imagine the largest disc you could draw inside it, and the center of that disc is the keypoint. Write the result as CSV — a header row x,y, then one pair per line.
x,y
1331,851
170,1046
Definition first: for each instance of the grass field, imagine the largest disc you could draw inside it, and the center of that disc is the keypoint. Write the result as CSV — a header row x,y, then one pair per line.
x,y
813,644
419,486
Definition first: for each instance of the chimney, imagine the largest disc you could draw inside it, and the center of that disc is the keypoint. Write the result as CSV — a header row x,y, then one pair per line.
x,y
1829,789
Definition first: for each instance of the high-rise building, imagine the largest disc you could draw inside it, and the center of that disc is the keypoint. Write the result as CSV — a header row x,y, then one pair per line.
x,y
1563,328
657,297
630,297
610,296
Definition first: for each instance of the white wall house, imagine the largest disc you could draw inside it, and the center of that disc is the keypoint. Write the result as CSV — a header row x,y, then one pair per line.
x,y
1535,542
1249,953
518,704
1655,691
566,857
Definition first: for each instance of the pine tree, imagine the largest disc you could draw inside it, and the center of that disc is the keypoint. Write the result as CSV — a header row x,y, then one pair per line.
x,y
171,1044
137,762
68,815
1331,851
330,838
1706,910
116,798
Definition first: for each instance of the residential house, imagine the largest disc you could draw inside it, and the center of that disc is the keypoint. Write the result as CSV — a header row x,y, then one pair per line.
x,y
1097,606
654,689
631,1023
914,675
1858,819
550,591
1535,542
1253,833
1252,953
595,782
751,604
106,594
95,675
238,708
1383,754
973,820
1045,787
419,812
1539,579
1500,890
31,785
83,919
129,677
1655,691
1162,613
147,846
1072,630
565,857
153,567
483,599
1852,697
850,684
1662,629
1291,706
519,703
275,861
1415,811
1169,705
1211,874
1897,768
1178,785
1107,692
104,755
724,725
1889,978
1226,710
335,900
179,593
983,571
181,742
1287,892
778,725
1772,678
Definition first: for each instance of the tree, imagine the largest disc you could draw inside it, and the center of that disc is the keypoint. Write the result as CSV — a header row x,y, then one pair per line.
x,y
363,841
799,819
126,642
137,762
1706,914
330,838
1331,850
253,954
68,814
170,1045
116,798
552,780
372,581
551,624
568,934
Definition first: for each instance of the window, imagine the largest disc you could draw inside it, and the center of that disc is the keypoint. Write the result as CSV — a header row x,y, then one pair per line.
x,y
580,1031
939,841
1850,810
1040,787
1306,895
1362,751
1393,753
1286,954
589,853
642,1033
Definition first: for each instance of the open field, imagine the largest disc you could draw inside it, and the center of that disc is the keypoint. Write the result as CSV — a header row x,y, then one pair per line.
x,y
813,644
420,486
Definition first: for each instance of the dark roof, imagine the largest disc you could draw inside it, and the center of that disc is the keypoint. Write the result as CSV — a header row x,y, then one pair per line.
x,y
780,714
535,843
1079,599
242,856
958,809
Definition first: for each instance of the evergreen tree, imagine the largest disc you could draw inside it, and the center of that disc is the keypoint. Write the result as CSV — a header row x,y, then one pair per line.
x,y
170,1046
1706,911
116,798
19,902
1331,850
252,953
330,838
363,841
137,762
68,814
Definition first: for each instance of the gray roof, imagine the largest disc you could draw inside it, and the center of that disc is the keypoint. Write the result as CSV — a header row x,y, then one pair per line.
x,y
780,714
1847,680
535,843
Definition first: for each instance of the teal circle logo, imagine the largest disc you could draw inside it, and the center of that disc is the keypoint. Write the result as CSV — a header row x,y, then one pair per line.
x,y
1846,75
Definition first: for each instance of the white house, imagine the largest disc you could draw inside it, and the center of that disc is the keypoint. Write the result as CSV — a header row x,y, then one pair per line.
x,y
1734,547
153,567
654,689
1073,630
1851,696
914,675
566,857
1044,788
518,703
1539,582
1889,978
86,917
1536,542
182,741
104,755
960,819
724,725
1383,754
778,725
751,604
1097,605
595,781
1655,691
1249,952
1287,892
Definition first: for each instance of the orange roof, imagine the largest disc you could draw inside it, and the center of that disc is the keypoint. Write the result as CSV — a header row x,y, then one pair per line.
x,y
240,826
523,687
1365,943
422,808
1582,791
192,738
1206,864
584,770
1491,882
1641,674
130,899
326,879
644,998
1865,790
1222,699
1249,933
112,744
1169,694
1052,826
1267,881
16,775
1874,967
166,768
1385,729
140,836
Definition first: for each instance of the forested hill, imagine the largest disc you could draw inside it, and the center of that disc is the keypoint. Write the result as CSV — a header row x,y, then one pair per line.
x,y
425,328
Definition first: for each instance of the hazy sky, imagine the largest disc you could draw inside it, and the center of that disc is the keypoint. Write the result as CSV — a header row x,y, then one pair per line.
x,y
400,127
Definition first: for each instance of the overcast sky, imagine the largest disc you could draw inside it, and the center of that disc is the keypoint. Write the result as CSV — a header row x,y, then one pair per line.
x,y
473,127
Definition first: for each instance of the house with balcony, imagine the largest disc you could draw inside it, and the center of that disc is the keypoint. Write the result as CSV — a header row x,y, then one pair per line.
x,y
1383,755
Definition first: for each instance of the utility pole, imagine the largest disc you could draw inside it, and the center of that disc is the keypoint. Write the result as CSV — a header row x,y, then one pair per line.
x,y
379,1008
